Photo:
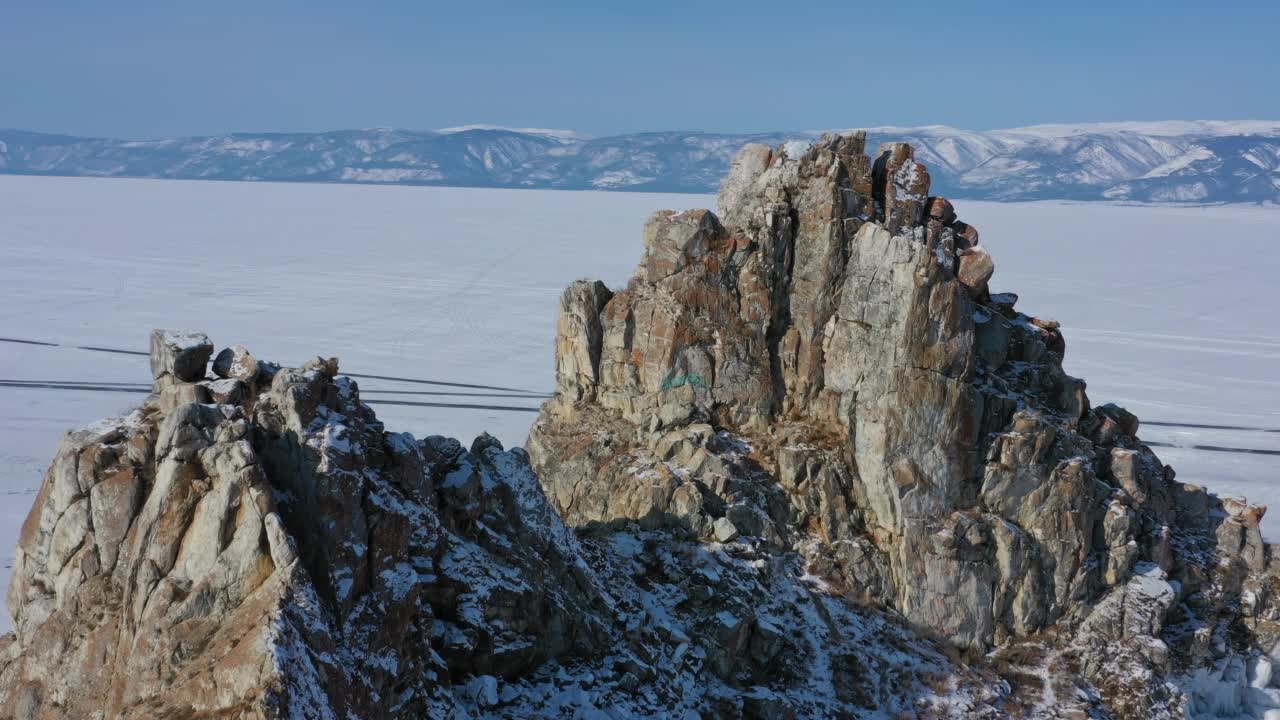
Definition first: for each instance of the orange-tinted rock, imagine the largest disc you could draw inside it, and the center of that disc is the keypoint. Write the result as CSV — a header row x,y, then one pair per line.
x,y
976,268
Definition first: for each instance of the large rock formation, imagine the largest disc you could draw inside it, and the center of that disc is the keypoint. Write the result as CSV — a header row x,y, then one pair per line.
x,y
805,465
823,368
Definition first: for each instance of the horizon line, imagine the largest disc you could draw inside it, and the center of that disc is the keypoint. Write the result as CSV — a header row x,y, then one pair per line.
x,y
1172,127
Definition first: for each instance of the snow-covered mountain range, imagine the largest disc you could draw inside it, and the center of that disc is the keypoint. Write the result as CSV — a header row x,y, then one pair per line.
x,y
1175,161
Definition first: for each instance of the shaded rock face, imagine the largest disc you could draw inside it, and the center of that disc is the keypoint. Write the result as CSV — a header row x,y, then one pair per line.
x,y
823,369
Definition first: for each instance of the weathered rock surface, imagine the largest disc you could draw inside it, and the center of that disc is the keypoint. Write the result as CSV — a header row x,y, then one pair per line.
x,y
829,374
805,465
183,356
235,363
278,554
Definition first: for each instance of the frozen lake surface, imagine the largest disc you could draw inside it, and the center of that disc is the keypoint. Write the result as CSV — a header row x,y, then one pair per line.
x,y
1170,312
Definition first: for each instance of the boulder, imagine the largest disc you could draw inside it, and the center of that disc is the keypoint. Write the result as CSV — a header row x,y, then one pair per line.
x,y
724,530
182,355
672,240
190,558
1126,422
175,394
941,209
966,235
227,391
236,363
976,269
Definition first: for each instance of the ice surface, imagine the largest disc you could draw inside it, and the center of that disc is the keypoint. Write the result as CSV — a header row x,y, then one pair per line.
x,y
1168,311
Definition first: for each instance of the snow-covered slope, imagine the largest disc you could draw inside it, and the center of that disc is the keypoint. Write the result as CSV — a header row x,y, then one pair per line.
x,y
1173,161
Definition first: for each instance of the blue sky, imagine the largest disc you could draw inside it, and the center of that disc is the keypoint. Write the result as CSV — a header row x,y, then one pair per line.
x,y
138,68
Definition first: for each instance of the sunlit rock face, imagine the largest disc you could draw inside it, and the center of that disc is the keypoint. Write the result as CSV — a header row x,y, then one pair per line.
x,y
823,367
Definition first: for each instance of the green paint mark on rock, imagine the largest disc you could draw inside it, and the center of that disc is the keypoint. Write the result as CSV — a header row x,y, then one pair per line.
x,y
693,379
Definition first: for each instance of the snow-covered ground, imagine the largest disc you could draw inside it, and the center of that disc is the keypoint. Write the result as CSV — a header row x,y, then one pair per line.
x,y
1167,311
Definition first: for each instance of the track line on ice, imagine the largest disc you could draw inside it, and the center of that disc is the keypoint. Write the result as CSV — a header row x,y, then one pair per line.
x,y
1199,426
465,406
440,382
143,391
516,408
443,383
1127,334
79,382
73,384
523,396
1212,448
504,392
85,387
27,342
117,351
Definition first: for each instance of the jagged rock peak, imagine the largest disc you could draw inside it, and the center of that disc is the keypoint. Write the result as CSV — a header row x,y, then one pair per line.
x,y
277,553
823,369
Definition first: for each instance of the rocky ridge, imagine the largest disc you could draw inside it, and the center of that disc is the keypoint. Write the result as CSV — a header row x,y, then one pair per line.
x,y
1161,162
806,464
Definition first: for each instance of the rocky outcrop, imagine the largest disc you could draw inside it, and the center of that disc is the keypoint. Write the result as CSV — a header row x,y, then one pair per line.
x,y
806,464
277,553
824,370
281,556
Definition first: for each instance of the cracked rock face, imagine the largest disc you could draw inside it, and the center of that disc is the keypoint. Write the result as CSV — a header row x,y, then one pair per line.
x,y
280,554
804,465
825,371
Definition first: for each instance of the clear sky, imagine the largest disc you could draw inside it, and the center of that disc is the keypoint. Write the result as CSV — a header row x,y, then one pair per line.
x,y
138,68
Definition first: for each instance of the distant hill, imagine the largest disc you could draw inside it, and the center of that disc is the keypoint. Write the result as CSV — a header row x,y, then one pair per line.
x,y
1190,162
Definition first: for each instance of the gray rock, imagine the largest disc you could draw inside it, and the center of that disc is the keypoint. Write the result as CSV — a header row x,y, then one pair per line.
x,y
724,530
485,441
227,391
578,337
672,240
175,394
182,355
236,363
